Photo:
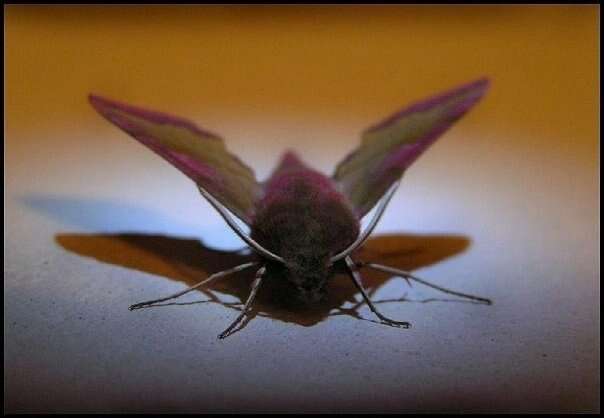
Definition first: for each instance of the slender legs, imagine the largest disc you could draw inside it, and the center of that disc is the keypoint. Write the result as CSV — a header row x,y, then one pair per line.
x,y
353,269
408,276
203,282
255,286
356,278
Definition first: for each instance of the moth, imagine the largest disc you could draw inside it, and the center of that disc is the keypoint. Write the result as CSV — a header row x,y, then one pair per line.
x,y
303,225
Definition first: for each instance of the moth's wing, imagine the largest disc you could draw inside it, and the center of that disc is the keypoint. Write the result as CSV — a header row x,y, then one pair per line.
x,y
389,147
199,154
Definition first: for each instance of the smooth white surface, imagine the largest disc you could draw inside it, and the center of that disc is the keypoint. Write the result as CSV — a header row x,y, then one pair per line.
x,y
73,345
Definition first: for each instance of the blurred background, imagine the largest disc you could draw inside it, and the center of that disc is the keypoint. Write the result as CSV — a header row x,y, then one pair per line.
x,y
505,205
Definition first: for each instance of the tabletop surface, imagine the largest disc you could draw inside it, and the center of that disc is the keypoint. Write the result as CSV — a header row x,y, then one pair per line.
x,y
505,205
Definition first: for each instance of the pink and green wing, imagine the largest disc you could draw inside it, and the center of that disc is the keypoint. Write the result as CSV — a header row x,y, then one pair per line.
x,y
199,154
389,147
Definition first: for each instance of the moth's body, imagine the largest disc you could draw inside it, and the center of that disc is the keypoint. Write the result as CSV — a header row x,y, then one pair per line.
x,y
302,222
306,220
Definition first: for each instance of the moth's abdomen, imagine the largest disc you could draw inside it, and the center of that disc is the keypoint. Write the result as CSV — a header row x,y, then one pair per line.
x,y
301,216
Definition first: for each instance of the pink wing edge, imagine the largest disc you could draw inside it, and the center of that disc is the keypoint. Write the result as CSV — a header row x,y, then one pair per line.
x,y
409,153
195,170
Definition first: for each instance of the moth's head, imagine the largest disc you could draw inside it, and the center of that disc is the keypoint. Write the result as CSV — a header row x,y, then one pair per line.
x,y
309,276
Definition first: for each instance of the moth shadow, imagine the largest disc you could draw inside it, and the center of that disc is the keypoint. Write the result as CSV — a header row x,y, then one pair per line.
x,y
189,261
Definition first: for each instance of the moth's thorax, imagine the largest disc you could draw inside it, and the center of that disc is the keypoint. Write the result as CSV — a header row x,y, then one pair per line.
x,y
305,220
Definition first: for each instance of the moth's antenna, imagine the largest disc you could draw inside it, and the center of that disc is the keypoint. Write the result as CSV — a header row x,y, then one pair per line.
x,y
201,283
225,215
356,279
248,303
407,275
363,237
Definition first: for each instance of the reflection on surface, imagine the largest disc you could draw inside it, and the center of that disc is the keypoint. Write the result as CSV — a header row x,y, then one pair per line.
x,y
98,214
189,261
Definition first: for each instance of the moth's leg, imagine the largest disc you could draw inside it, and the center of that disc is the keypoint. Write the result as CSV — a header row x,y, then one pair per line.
x,y
203,282
356,278
408,276
248,303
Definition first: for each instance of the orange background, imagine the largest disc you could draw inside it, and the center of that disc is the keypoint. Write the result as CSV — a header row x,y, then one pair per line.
x,y
304,64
